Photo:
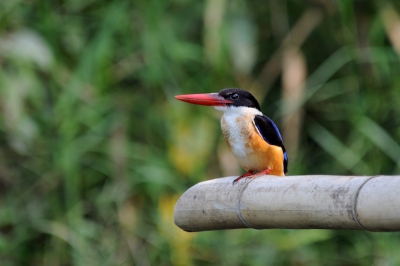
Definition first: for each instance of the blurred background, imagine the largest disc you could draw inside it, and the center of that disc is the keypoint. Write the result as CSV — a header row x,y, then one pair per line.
x,y
95,150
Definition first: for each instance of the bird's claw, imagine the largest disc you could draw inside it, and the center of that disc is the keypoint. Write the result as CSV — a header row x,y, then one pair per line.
x,y
251,174
245,175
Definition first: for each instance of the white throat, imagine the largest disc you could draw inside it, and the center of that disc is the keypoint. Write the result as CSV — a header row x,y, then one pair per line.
x,y
237,110
236,125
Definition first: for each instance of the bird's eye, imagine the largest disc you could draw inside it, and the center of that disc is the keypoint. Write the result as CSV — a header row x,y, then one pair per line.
x,y
234,96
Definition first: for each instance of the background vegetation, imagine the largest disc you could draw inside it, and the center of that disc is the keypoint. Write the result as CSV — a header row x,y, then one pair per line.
x,y
95,151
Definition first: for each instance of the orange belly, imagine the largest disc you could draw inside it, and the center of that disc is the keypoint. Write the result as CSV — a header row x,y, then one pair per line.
x,y
261,156
249,147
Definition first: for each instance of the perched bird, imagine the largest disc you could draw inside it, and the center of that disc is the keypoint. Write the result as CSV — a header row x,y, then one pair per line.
x,y
251,136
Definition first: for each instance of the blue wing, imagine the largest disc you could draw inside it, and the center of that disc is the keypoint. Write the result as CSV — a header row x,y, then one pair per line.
x,y
270,133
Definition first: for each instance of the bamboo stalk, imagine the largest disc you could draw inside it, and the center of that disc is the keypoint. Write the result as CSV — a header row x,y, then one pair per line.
x,y
296,202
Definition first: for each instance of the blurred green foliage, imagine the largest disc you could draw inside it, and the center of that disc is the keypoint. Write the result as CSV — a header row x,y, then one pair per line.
x,y
95,151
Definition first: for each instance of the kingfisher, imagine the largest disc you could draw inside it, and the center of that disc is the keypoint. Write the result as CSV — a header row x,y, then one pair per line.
x,y
251,136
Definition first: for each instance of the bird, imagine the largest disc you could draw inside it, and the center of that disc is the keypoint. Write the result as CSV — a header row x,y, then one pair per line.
x,y
251,136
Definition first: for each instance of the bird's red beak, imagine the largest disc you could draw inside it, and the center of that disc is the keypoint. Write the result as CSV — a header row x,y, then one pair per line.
x,y
209,99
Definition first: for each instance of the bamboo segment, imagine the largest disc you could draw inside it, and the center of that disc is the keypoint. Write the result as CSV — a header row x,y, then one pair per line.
x,y
295,202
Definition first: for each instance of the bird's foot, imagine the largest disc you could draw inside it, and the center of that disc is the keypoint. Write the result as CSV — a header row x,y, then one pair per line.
x,y
251,174
247,174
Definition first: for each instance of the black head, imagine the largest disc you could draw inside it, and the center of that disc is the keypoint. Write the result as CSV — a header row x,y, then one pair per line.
x,y
240,98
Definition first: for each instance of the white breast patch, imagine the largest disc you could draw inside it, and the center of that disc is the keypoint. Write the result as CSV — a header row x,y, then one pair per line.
x,y
237,126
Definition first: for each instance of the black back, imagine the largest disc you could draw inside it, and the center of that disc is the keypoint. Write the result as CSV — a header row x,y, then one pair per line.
x,y
270,133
